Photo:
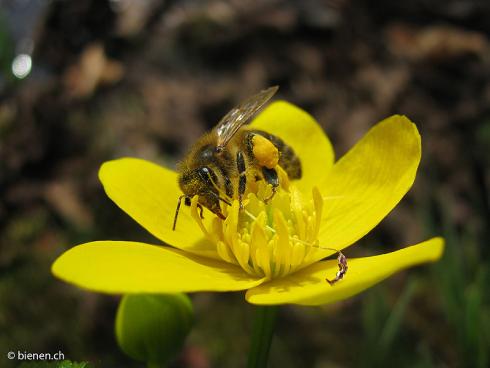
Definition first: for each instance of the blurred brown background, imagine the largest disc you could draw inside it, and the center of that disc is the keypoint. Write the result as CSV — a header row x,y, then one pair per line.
x,y
86,81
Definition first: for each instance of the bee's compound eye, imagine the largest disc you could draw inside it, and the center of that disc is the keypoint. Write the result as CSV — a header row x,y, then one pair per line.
x,y
204,172
187,201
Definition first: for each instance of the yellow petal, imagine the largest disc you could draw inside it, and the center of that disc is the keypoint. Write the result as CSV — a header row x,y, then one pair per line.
x,y
368,182
300,131
129,267
149,193
308,286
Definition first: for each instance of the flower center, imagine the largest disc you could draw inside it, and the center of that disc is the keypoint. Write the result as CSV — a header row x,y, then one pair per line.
x,y
270,239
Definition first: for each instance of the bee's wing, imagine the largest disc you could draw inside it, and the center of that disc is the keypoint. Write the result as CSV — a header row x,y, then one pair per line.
x,y
241,115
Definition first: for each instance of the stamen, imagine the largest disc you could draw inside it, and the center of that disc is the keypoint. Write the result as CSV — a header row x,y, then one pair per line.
x,y
270,239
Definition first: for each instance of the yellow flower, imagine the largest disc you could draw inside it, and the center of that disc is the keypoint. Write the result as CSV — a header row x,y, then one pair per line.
x,y
273,250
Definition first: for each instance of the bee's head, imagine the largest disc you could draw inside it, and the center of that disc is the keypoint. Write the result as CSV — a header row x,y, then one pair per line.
x,y
202,182
197,181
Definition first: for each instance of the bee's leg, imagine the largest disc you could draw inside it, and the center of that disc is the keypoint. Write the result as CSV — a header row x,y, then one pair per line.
x,y
271,177
228,188
200,211
242,176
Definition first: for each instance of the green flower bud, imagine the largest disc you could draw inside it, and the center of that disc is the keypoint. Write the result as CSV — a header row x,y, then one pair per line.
x,y
152,328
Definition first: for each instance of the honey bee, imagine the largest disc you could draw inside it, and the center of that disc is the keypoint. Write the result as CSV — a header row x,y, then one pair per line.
x,y
222,162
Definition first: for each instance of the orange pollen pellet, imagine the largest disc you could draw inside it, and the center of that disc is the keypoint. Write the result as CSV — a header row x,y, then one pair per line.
x,y
265,152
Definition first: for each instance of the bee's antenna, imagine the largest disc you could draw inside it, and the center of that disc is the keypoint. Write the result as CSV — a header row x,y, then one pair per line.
x,y
177,211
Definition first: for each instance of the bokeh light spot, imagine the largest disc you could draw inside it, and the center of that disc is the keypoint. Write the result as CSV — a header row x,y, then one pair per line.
x,y
21,65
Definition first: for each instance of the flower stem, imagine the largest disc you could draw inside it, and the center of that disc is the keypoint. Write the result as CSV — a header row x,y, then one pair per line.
x,y
263,330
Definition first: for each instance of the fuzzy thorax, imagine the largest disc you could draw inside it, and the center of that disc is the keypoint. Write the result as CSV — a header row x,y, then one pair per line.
x,y
270,239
